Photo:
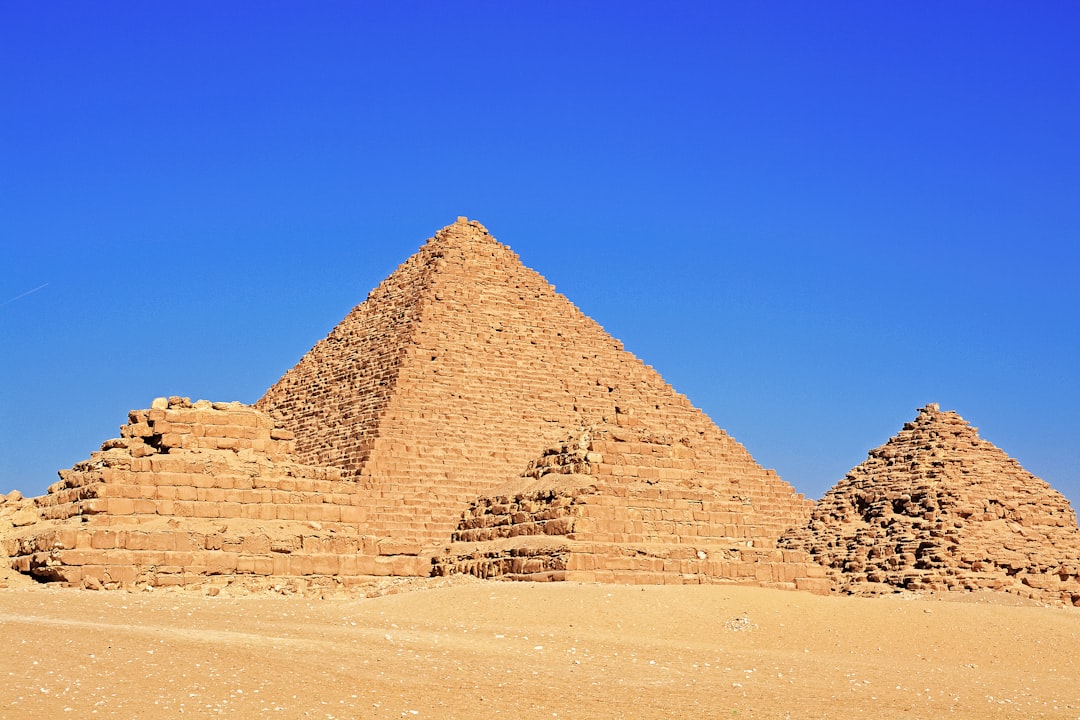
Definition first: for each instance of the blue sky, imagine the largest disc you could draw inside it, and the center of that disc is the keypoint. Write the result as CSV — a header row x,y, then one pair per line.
x,y
811,218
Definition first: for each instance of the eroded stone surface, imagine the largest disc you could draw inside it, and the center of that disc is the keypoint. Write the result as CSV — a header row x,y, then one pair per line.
x,y
939,508
15,512
458,370
629,505
199,492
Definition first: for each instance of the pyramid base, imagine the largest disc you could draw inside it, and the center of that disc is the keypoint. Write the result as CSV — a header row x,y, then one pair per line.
x,y
1042,588
161,552
548,559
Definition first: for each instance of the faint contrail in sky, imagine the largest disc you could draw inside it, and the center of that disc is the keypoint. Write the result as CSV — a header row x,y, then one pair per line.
x,y
19,297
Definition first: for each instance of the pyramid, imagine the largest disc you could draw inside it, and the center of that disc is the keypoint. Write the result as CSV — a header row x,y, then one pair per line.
x,y
378,453
461,368
939,508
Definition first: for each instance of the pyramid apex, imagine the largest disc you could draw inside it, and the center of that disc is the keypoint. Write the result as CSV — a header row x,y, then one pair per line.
x,y
934,413
931,416
463,227
931,412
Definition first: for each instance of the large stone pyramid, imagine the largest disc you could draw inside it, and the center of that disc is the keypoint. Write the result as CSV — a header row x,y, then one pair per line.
x,y
456,374
939,508
460,369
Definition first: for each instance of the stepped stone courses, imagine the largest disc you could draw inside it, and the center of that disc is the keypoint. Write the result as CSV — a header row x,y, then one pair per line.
x,y
458,370
198,491
466,418
624,504
939,508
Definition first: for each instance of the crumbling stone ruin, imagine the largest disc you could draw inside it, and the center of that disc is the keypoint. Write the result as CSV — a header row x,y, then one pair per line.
x,y
939,508
456,373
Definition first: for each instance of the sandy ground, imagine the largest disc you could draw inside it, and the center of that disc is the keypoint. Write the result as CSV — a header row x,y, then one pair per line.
x,y
520,650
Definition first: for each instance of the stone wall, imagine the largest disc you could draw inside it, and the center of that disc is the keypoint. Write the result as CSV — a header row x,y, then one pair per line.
x,y
193,492
626,505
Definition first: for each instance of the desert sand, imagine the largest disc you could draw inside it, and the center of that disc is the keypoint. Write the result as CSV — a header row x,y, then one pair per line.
x,y
466,648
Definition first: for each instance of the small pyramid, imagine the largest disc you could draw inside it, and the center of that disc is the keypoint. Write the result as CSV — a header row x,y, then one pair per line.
x,y
457,371
939,508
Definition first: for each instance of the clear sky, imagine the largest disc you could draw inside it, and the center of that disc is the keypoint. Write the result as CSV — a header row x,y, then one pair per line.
x,y
811,218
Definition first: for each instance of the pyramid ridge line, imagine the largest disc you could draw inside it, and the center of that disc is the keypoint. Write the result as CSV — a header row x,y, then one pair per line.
x,y
461,305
